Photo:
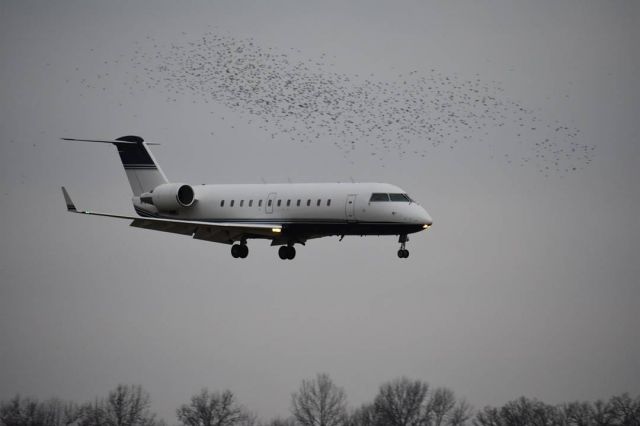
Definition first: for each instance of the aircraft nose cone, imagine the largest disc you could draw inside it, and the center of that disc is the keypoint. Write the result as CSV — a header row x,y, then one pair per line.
x,y
426,219
419,216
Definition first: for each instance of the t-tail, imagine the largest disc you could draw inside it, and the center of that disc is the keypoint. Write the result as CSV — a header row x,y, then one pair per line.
x,y
141,167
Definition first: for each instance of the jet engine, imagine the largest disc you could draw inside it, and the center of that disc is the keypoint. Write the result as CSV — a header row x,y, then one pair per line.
x,y
172,196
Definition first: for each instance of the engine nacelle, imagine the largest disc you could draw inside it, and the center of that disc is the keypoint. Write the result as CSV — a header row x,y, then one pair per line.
x,y
173,196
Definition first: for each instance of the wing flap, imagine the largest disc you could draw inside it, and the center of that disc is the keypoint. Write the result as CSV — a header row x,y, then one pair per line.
x,y
174,228
217,235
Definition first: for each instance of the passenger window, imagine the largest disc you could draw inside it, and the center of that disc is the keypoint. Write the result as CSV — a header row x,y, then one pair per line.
x,y
328,202
222,203
231,203
308,203
288,203
241,203
250,203
379,196
298,203
318,202
279,203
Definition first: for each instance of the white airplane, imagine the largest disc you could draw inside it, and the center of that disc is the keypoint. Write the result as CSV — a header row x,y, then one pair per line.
x,y
286,214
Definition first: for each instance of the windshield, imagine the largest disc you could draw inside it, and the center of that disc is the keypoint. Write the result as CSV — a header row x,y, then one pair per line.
x,y
379,196
400,197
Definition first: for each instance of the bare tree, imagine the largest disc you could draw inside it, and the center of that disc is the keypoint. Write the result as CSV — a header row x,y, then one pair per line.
x,y
401,402
577,414
620,410
281,422
319,402
488,416
60,413
524,411
249,419
603,414
27,411
440,404
461,413
124,406
212,409
92,414
128,406
521,412
21,412
625,410
363,416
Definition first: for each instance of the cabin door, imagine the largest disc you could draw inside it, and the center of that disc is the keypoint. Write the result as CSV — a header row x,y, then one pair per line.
x,y
350,207
270,200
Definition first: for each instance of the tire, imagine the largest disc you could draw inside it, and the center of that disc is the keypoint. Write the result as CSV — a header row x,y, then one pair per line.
x,y
282,252
291,253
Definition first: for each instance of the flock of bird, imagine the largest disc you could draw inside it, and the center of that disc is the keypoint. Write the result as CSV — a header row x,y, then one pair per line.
x,y
307,101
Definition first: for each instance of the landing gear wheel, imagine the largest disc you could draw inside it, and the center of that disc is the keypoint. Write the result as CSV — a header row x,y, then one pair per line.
x,y
403,253
287,252
239,251
292,252
283,253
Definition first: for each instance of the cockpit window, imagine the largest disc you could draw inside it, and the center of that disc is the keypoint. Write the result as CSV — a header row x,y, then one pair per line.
x,y
378,196
400,197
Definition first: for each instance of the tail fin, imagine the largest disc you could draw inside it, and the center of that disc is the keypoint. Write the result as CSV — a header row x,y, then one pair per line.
x,y
142,170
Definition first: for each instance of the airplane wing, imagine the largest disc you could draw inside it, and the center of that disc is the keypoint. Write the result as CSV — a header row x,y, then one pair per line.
x,y
220,232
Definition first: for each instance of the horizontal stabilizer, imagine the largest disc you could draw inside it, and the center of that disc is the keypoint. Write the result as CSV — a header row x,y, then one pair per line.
x,y
108,141
141,168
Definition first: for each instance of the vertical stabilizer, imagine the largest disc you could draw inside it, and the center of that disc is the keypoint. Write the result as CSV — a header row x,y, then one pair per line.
x,y
142,169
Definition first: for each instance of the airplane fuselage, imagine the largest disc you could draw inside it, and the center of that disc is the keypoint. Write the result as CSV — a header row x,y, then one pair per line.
x,y
305,210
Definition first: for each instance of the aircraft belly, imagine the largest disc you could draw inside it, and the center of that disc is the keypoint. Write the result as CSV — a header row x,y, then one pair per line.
x,y
350,228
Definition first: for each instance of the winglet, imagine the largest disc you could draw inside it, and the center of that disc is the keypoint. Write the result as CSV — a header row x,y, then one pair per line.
x,y
67,199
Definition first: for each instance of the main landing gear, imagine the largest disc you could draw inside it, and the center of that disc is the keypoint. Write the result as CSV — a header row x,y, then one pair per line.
x,y
287,252
239,250
403,253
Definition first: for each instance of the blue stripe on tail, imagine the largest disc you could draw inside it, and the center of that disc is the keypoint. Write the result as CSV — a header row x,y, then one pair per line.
x,y
134,155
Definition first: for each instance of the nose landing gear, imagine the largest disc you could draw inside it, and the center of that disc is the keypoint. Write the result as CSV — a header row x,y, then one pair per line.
x,y
403,253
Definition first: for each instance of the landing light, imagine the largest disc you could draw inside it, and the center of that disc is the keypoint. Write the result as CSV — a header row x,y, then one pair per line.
x,y
276,230
425,226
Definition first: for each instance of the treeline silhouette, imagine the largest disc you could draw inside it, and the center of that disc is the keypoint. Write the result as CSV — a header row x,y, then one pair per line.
x,y
319,402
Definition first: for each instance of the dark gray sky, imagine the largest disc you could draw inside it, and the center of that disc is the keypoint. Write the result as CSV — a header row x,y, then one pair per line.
x,y
526,284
